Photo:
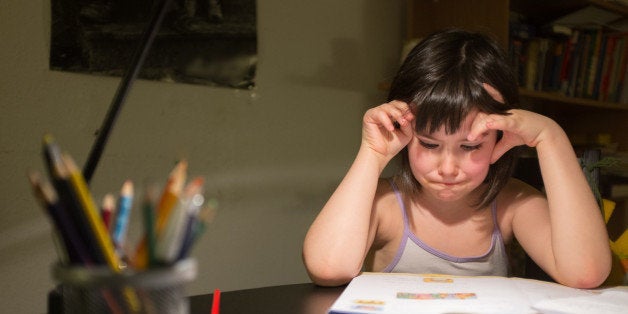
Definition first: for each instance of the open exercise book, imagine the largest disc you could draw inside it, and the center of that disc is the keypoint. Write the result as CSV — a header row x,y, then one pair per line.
x,y
390,293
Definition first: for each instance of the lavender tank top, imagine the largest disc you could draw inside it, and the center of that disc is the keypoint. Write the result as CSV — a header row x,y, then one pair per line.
x,y
415,256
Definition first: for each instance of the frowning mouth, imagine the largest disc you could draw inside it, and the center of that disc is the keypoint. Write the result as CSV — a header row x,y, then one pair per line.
x,y
448,184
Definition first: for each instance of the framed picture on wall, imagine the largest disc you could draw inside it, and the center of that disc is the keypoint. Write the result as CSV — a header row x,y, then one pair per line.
x,y
210,42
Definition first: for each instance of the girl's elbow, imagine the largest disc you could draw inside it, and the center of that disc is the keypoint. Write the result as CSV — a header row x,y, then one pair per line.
x,y
330,279
324,274
586,282
328,270
589,277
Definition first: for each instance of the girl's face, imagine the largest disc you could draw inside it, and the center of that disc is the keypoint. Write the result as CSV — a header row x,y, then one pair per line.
x,y
448,166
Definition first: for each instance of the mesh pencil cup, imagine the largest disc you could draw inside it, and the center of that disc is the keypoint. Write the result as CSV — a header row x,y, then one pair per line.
x,y
99,290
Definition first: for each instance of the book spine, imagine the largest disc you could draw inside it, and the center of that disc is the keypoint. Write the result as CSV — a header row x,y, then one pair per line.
x,y
532,64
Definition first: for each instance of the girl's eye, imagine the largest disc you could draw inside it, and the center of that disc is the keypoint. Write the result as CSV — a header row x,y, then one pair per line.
x,y
428,145
471,147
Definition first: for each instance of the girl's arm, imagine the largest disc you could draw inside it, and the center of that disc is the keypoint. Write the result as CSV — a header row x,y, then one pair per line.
x,y
579,253
565,235
342,233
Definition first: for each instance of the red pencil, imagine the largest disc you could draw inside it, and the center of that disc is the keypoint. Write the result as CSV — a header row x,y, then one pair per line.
x,y
108,206
216,302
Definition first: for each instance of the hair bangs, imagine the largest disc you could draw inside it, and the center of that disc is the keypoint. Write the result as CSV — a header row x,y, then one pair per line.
x,y
447,103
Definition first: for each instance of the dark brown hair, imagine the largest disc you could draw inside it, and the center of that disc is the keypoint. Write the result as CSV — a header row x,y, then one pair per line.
x,y
442,80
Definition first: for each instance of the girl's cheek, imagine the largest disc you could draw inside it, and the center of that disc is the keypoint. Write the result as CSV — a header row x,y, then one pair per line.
x,y
421,163
477,169
480,164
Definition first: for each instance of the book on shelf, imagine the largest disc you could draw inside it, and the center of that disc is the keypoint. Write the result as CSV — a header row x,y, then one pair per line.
x,y
532,51
586,62
555,64
567,61
517,58
590,88
617,90
607,64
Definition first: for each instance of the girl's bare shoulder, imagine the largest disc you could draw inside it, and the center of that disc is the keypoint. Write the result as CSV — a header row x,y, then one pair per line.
x,y
385,195
517,192
516,196
387,211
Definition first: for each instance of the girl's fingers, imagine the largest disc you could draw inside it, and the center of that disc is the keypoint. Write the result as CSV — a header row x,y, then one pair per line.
x,y
479,126
385,120
484,123
392,115
403,115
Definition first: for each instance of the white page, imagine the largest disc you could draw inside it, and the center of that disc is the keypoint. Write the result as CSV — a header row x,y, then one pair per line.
x,y
387,293
536,290
604,302
405,293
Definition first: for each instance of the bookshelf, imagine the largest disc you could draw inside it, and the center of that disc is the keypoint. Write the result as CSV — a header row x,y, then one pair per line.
x,y
560,99
582,118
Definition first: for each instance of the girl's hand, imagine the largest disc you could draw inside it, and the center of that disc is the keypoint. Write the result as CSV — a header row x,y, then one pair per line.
x,y
520,127
388,128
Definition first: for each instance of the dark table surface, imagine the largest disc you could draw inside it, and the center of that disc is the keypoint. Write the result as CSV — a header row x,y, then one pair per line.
x,y
305,298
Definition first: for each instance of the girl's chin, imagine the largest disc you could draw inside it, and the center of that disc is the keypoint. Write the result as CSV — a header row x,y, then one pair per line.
x,y
443,195
448,196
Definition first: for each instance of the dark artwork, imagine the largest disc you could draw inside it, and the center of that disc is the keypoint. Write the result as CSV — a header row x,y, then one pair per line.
x,y
212,42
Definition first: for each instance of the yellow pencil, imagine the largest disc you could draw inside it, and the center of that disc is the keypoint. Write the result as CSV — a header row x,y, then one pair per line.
x,y
171,194
171,239
91,212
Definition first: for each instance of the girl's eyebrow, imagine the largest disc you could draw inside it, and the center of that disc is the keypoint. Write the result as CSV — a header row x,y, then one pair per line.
x,y
428,136
425,135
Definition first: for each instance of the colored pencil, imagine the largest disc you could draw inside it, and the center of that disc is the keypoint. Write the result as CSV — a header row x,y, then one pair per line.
x,y
98,227
170,196
216,302
171,239
49,200
107,210
91,212
125,204
148,211
69,199
196,226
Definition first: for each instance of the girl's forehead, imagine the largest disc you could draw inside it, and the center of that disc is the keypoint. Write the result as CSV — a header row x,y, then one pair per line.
x,y
469,119
464,127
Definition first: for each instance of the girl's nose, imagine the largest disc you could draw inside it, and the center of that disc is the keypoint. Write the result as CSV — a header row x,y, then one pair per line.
x,y
448,166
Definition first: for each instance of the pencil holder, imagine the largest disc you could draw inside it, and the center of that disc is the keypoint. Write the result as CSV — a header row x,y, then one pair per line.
x,y
99,290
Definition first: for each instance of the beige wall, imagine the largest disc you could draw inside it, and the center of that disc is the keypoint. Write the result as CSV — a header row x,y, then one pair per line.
x,y
271,156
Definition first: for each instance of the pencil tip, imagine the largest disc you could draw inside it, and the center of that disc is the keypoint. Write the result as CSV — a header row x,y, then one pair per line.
x,y
108,202
34,177
127,188
182,165
48,138
69,162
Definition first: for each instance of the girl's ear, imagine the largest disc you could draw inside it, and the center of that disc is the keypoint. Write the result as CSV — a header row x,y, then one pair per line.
x,y
493,92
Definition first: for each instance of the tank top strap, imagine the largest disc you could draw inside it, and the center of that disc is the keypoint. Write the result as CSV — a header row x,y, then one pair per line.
x,y
496,229
402,205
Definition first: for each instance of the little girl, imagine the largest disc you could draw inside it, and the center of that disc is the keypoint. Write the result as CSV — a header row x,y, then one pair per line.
x,y
453,205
